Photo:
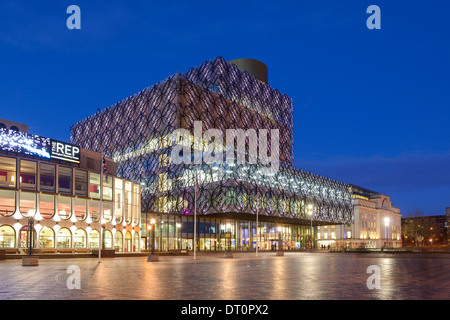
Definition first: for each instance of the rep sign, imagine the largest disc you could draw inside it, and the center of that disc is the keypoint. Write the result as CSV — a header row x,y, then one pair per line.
x,y
65,151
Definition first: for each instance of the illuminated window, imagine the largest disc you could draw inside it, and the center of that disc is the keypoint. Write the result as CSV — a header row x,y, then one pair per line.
x,y
108,240
94,210
8,175
64,207
7,237
118,241
46,238
94,239
136,242
107,211
64,239
47,205
47,177
7,202
80,209
27,203
28,174
80,238
65,180
118,200
81,177
107,188
136,203
94,186
128,242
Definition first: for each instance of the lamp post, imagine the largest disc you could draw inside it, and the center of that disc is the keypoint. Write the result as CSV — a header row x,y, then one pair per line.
x,y
152,257
280,251
386,233
310,213
30,260
30,235
228,253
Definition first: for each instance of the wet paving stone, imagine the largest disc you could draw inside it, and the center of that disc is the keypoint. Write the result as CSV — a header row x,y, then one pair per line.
x,y
296,276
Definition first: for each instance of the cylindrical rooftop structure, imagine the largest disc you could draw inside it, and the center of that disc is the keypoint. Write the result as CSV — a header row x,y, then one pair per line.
x,y
254,67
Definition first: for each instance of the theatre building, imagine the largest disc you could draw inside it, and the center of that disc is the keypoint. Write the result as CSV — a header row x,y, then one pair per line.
x,y
236,206
62,190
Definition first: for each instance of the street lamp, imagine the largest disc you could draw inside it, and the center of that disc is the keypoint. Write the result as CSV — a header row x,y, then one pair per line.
x,y
178,239
30,231
152,256
30,260
228,254
310,213
280,249
386,225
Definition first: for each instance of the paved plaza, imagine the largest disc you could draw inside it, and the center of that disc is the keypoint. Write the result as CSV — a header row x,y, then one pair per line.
x,y
295,276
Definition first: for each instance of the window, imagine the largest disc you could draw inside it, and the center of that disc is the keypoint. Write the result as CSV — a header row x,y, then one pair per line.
x,y
24,236
127,205
108,239
107,188
64,207
28,174
94,186
80,209
81,178
136,204
47,177
65,180
107,211
7,237
118,241
80,238
118,196
7,202
64,239
46,238
27,203
94,210
94,239
136,242
128,242
7,172
47,205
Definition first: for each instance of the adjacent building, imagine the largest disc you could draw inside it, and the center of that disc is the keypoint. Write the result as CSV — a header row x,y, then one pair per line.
x,y
57,195
425,230
377,224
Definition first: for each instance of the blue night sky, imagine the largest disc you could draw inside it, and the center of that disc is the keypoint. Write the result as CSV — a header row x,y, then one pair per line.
x,y
371,107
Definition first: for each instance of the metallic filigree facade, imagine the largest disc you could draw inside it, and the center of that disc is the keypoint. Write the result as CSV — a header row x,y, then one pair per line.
x,y
136,133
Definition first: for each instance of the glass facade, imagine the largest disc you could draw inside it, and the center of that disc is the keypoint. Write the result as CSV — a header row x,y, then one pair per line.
x,y
176,232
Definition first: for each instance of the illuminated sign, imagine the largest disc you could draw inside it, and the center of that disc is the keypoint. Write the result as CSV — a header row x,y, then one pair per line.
x,y
32,145
65,151
21,142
